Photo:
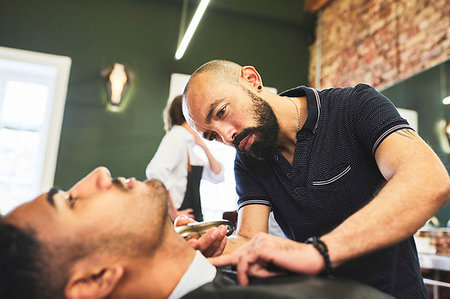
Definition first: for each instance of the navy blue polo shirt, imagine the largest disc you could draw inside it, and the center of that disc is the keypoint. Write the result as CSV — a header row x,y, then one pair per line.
x,y
333,175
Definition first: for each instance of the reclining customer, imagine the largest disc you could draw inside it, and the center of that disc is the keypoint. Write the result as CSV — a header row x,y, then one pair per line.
x,y
113,238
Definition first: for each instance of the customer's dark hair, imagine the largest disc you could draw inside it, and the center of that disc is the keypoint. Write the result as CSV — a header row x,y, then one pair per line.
x,y
24,270
174,114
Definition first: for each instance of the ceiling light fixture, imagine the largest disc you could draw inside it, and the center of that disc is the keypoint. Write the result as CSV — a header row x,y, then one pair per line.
x,y
191,29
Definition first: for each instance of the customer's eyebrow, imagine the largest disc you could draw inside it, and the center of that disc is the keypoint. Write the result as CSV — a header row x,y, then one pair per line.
x,y
50,195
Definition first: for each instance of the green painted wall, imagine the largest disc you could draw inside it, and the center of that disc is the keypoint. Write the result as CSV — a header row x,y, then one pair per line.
x,y
424,93
143,35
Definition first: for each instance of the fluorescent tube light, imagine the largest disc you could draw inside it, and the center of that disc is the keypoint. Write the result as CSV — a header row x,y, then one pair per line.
x,y
191,29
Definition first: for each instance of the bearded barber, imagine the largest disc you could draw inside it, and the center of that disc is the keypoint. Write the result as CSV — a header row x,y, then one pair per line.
x,y
348,179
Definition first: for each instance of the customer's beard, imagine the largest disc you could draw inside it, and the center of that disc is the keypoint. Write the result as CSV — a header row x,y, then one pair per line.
x,y
266,130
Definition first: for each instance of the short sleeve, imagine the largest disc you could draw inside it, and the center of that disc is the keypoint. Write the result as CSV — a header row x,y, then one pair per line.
x,y
168,156
374,116
248,188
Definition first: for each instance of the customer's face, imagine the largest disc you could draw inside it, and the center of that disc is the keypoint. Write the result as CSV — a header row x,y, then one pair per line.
x,y
233,115
94,208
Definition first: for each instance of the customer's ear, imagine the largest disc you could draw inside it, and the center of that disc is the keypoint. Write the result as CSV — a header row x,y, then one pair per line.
x,y
96,282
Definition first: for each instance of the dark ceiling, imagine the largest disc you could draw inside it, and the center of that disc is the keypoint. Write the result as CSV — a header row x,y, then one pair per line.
x,y
291,12
288,11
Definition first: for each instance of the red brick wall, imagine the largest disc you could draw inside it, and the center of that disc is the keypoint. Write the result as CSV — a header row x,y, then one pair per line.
x,y
380,42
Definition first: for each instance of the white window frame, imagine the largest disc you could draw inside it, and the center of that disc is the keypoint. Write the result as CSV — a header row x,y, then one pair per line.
x,y
62,65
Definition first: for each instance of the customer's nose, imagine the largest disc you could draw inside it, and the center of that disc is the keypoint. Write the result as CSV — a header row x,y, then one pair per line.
x,y
103,178
98,180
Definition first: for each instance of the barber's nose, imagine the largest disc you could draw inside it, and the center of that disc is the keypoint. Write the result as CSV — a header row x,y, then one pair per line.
x,y
228,134
98,180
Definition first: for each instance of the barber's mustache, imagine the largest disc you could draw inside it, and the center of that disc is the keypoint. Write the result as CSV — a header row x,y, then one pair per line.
x,y
245,132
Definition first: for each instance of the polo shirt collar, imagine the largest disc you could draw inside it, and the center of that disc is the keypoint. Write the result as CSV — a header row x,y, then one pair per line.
x,y
313,99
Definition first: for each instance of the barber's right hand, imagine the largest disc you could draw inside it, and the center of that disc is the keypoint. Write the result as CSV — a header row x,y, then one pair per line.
x,y
212,243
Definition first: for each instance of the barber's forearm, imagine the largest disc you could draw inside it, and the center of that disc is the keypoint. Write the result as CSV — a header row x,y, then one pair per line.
x,y
401,207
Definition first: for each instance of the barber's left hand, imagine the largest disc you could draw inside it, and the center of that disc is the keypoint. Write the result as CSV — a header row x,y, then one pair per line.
x,y
212,243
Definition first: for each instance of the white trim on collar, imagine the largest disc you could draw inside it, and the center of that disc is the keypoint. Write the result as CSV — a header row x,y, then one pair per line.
x,y
200,272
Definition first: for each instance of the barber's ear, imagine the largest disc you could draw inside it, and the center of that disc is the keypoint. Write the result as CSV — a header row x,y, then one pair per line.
x,y
94,283
250,75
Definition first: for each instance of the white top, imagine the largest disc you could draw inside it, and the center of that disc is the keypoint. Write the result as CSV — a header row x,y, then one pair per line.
x,y
170,163
200,272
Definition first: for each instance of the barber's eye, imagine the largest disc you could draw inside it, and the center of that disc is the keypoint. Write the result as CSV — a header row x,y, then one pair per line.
x,y
212,136
221,112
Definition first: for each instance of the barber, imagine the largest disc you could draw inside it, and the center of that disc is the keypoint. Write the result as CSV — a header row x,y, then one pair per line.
x,y
348,179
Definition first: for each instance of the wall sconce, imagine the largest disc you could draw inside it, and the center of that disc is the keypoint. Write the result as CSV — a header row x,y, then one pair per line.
x,y
117,83
447,131
446,100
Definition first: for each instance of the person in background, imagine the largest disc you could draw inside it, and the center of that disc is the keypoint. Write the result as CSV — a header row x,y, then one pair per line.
x,y
179,168
349,181
81,244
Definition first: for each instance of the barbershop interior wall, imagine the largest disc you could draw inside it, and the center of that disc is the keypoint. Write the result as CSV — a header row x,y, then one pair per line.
x,y
401,47
423,92
142,35
379,42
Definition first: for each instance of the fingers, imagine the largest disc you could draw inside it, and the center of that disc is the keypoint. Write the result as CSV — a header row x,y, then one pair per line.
x,y
263,270
247,265
212,242
242,268
253,264
221,247
193,243
224,260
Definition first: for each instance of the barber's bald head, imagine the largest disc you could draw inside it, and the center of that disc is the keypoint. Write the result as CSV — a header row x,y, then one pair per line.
x,y
219,71
209,76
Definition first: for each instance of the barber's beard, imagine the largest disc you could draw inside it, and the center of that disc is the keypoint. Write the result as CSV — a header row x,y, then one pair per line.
x,y
266,130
